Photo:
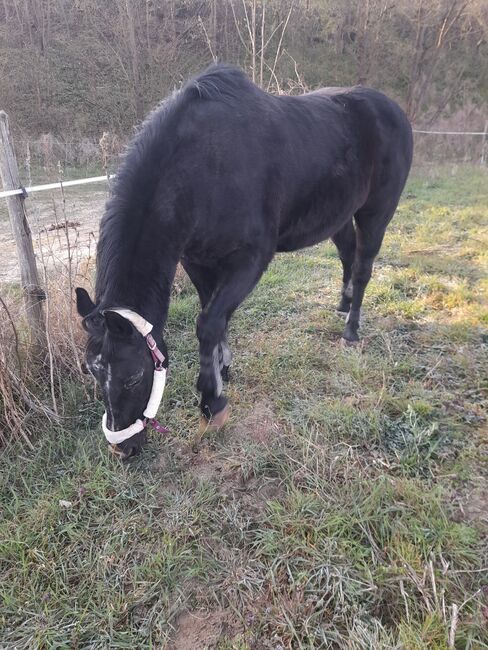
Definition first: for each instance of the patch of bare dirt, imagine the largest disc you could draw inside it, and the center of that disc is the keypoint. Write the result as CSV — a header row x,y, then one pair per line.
x,y
475,505
204,464
47,215
202,630
472,501
261,425
222,464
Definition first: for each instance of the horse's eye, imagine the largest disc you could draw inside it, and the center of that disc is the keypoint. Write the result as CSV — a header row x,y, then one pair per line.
x,y
133,381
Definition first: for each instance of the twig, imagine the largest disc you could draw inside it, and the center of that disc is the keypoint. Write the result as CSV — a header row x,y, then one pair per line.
x,y
10,410
262,44
70,283
303,86
273,75
30,400
48,334
207,39
454,622
280,42
236,22
439,359
251,39
404,595
16,336
432,580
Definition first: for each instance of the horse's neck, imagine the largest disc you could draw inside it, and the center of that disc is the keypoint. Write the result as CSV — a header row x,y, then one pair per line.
x,y
137,255
148,293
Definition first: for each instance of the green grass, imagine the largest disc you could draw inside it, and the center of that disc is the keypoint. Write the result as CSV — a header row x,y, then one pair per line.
x,y
345,505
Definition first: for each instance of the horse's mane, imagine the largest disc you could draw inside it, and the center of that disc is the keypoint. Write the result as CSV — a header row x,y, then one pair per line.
x,y
137,179
220,83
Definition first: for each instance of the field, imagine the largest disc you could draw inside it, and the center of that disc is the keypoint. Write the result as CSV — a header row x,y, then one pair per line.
x,y
345,506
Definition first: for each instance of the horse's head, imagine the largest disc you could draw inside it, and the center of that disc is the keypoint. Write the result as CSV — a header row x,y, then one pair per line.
x,y
128,366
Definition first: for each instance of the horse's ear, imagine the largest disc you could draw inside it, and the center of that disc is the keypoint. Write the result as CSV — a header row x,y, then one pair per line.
x,y
118,325
84,304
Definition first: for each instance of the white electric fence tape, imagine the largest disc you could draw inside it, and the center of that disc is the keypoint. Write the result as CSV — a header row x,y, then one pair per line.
x,y
56,186
452,132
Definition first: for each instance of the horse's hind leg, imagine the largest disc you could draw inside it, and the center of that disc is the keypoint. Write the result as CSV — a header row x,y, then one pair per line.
x,y
345,241
240,273
205,280
370,230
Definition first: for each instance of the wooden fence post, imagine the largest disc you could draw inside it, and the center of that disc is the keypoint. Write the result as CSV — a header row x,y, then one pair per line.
x,y
33,293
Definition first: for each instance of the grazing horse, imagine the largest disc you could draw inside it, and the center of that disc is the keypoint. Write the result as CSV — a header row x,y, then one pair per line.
x,y
220,177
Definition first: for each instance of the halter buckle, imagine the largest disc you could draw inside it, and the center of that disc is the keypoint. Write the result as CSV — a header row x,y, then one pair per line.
x,y
151,343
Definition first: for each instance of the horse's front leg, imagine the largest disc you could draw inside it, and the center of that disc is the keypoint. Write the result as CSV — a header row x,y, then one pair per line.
x,y
242,271
213,404
225,358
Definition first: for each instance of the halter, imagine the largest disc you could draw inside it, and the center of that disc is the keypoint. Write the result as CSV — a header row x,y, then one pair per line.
x,y
159,381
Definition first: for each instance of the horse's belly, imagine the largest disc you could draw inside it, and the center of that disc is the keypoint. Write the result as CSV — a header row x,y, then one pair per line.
x,y
319,214
308,231
293,242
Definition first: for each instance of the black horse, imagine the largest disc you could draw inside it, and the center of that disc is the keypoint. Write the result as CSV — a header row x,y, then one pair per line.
x,y
221,176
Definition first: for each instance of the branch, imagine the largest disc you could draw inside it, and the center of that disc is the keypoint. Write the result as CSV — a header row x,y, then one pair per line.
x,y
16,336
214,58
280,42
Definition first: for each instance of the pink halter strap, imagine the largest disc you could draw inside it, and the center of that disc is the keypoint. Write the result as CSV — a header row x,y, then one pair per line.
x,y
158,358
156,425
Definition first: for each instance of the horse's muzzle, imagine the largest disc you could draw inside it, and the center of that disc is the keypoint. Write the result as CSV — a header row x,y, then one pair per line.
x,y
130,447
119,453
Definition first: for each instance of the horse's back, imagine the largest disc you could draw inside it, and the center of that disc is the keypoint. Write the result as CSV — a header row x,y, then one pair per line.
x,y
354,151
288,169
375,116
324,134
388,136
230,121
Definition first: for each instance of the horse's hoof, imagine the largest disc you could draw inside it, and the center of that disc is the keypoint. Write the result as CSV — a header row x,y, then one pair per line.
x,y
216,422
341,312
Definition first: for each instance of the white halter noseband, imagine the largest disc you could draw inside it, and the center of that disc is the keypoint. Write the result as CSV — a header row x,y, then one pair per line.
x,y
159,381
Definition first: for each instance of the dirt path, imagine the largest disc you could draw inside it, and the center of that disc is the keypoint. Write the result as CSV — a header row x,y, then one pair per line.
x,y
46,213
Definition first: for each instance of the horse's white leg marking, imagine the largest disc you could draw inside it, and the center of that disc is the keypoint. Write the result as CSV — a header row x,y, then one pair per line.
x,y
349,316
347,289
226,354
216,369
96,365
110,416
